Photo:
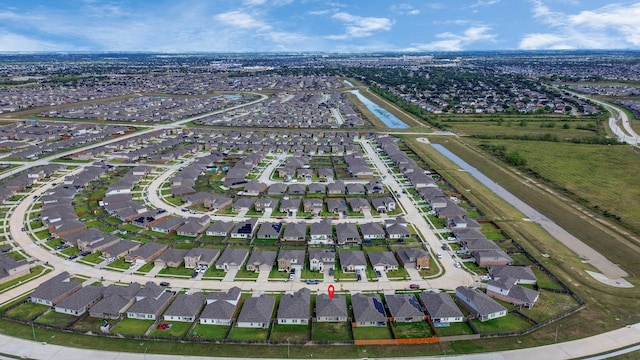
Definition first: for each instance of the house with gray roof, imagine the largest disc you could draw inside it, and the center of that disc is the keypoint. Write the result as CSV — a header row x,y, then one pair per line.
x,y
480,304
313,206
244,229
193,227
269,230
506,289
294,309
277,189
261,260
80,301
383,205
317,188
256,312
486,258
115,301
55,290
265,204
523,274
146,253
368,310
331,309
185,308
219,228
167,224
12,269
290,206
321,233
291,259
171,258
337,206
441,308
413,258
397,231
383,260
120,248
352,260
151,301
336,188
359,205
347,233
295,232
200,256
404,308
319,258
221,307
372,231
243,204
232,259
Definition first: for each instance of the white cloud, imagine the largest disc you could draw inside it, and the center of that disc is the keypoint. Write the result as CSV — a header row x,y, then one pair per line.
x,y
611,26
485,3
241,20
358,26
457,42
15,42
405,9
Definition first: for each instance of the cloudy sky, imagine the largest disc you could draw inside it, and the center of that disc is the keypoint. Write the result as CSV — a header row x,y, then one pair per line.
x,y
317,25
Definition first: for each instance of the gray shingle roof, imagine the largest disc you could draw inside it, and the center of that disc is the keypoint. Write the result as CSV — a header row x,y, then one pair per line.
x,y
440,305
380,258
368,308
257,309
327,307
54,287
479,301
296,305
404,306
186,305
81,298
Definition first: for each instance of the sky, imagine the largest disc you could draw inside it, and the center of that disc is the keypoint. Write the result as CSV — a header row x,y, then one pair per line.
x,y
316,25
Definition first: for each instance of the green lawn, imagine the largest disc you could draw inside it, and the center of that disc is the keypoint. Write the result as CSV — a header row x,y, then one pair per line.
x,y
93,258
177,329
372,332
180,270
132,326
244,274
56,319
412,330
249,334
548,305
507,323
454,329
545,281
290,332
120,264
89,323
332,331
27,311
210,331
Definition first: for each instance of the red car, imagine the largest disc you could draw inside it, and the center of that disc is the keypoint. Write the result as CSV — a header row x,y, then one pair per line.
x,y
414,286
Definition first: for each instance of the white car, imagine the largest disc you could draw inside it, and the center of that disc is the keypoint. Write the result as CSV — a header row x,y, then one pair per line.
x,y
457,264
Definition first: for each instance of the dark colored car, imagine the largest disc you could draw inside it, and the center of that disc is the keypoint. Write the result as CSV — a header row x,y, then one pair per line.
x,y
414,286
164,283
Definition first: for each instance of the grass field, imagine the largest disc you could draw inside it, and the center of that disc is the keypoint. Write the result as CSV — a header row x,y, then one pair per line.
x,y
372,332
332,331
550,304
249,334
89,323
27,311
132,326
412,330
210,331
504,324
454,329
55,319
290,332
177,329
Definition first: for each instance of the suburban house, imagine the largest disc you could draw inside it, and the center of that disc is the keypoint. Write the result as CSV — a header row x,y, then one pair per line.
x,y
185,308
194,226
359,205
291,259
383,205
397,231
295,232
321,233
120,248
219,228
243,204
200,256
294,309
413,258
368,310
441,308
313,206
337,206
331,309
487,258
261,260
404,308
79,302
319,258
170,258
347,233
372,231
55,290
383,260
269,230
244,229
265,204
504,285
146,253
479,303
352,260
115,301
167,224
11,269
290,206
231,259
221,306
151,301
256,312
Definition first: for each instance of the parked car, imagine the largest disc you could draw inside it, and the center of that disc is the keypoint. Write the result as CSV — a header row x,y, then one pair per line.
x,y
312,282
414,286
164,283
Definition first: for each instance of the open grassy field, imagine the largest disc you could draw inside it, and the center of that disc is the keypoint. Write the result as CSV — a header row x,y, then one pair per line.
x,y
55,319
562,127
332,331
454,329
131,326
508,323
249,334
412,330
210,331
27,311
290,332
372,332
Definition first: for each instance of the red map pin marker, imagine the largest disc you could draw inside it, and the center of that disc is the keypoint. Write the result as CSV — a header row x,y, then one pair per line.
x,y
332,291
